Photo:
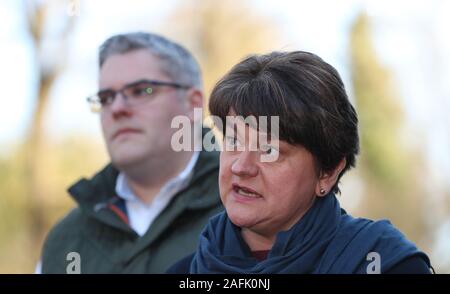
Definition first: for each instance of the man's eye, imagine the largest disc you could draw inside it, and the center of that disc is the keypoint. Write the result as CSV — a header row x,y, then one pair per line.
x,y
141,91
106,97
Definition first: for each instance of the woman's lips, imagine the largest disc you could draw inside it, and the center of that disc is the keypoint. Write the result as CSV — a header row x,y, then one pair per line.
x,y
244,194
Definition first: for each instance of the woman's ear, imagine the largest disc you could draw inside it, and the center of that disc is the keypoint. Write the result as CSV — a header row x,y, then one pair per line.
x,y
328,179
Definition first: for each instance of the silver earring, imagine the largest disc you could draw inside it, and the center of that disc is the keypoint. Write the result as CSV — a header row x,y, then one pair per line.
x,y
322,191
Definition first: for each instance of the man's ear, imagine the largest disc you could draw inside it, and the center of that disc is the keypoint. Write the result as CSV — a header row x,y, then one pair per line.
x,y
194,100
328,179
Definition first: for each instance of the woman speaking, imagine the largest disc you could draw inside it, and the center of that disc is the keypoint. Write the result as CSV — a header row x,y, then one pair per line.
x,y
282,215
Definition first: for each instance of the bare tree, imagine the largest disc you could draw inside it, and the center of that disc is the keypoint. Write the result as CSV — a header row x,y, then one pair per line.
x,y
50,48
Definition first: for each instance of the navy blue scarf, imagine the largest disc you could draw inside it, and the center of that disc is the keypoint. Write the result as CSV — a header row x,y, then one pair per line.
x,y
325,240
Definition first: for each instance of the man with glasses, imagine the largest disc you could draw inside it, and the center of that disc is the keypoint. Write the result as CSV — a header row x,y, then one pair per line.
x,y
147,208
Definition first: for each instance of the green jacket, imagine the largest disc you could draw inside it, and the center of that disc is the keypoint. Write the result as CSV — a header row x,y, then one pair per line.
x,y
106,244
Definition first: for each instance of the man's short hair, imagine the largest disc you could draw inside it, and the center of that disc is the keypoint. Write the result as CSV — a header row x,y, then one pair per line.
x,y
178,63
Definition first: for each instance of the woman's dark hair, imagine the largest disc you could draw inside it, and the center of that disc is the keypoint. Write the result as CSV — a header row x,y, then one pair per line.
x,y
308,96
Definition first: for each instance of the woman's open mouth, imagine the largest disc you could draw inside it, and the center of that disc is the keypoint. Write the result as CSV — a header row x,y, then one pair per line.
x,y
245,191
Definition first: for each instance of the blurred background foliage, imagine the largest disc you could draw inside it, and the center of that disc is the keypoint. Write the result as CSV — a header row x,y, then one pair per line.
x,y
385,161
37,168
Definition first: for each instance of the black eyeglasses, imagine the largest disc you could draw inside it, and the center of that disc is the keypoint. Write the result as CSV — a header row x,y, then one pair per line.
x,y
134,93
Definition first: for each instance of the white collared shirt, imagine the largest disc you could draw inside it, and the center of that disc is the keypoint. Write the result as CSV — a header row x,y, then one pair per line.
x,y
140,214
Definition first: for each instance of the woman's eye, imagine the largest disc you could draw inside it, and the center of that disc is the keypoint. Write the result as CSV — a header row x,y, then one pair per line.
x,y
269,150
231,142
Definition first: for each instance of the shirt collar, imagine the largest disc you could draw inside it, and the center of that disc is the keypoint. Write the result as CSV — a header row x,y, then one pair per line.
x,y
125,192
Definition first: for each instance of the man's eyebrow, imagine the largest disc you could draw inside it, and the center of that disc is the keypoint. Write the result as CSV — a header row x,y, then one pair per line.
x,y
126,85
136,83
105,90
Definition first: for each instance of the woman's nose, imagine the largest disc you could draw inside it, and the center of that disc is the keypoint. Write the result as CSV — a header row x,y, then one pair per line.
x,y
245,165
